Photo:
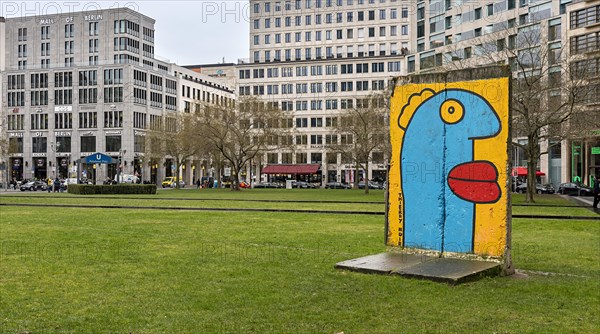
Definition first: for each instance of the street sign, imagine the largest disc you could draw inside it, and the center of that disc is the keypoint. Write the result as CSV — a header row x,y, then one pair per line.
x,y
99,158
595,150
227,171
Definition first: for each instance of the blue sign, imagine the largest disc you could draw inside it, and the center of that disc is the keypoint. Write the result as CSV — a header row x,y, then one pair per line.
x,y
99,158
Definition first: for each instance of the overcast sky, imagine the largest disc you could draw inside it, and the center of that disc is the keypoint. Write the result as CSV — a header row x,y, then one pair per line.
x,y
187,32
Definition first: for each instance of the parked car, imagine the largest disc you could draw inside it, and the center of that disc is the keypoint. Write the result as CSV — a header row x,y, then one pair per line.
x,y
170,182
337,185
539,188
303,185
34,186
68,181
571,188
372,185
126,178
266,185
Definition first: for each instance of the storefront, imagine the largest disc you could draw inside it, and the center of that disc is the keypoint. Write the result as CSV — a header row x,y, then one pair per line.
x,y
585,160
169,167
153,164
62,166
40,168
16,168
299,172
137,168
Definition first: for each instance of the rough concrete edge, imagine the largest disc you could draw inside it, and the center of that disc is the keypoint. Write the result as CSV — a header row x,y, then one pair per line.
x,y
470,74
474,276
507,264
362,270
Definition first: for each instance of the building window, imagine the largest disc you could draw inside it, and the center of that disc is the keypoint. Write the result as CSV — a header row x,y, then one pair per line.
x,y
88,119
39,144
93,28
63,96
301,158
16,122
113,143
22,49
88,95
115,77
45,32
63,120
113,94
585,17
316,122
63,144
69,30
88,144
15,145
585,43
39,121
554,31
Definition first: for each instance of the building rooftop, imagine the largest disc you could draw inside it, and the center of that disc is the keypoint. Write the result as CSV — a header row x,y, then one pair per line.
x,y
123,10
209,65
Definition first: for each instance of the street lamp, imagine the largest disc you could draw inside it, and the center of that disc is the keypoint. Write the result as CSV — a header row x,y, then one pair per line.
x,y
54,148
121,154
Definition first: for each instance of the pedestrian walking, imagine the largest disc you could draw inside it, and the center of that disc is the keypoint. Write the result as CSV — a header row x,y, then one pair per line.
x,y
198,184
56,185
596,192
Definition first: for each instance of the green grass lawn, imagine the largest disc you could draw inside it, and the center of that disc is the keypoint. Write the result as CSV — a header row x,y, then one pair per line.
x,y
74,270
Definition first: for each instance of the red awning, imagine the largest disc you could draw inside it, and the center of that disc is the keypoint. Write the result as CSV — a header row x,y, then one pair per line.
x,y
291,169
522,171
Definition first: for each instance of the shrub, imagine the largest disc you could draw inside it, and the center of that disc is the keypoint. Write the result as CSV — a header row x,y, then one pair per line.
x,y
87,189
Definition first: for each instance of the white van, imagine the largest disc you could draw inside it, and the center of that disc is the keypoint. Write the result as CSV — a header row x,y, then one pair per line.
x,y
70,181
127,178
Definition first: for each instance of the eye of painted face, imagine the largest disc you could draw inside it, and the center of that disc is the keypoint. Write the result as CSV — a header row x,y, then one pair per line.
x,y
452,111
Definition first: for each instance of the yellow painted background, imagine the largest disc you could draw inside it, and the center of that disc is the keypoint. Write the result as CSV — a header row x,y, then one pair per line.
x,y
490,228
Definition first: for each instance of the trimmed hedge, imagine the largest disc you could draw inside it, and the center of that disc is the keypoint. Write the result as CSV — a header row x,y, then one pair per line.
x,y
124,188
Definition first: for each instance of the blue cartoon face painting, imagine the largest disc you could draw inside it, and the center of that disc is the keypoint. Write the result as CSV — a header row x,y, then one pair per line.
x,y
441,181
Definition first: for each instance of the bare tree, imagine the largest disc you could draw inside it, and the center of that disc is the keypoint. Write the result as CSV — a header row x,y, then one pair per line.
x,y
363,131
546,93
177,138
240,133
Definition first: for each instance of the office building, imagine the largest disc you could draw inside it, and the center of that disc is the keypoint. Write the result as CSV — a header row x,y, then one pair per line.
x,y
583,151
316,58
85,82
462,33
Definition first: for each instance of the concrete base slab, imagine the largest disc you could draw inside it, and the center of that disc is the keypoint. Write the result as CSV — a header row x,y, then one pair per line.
x,y
449,270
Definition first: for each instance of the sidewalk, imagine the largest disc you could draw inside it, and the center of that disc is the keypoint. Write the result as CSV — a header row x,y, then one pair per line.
x,y
584,201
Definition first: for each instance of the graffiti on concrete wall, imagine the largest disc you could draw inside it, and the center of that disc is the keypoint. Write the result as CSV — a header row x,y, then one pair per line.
x,y
448,170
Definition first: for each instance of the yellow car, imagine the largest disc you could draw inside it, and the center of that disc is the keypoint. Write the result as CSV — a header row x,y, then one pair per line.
x,y
170,182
